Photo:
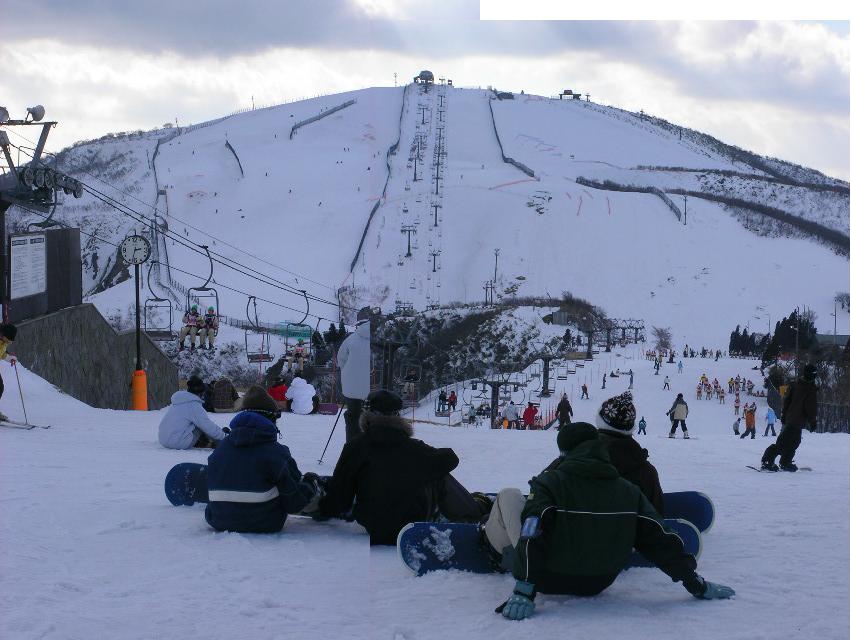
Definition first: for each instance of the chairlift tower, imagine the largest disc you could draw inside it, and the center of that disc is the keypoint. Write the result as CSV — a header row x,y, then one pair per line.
x,y
409,229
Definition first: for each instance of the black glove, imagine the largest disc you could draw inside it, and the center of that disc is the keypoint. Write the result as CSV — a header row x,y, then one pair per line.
x,y
226,430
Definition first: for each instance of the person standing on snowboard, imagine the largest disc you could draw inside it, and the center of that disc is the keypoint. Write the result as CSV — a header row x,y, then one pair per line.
x,y
800,409
394,479
564,412
577,529
678,414
252,479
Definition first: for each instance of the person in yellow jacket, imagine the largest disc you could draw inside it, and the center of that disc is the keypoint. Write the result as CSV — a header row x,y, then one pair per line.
x,y
8,333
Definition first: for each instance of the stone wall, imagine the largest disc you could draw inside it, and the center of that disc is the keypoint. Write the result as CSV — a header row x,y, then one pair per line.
x,y
77,350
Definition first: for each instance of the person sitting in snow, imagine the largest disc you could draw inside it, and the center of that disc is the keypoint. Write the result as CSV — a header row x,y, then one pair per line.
x,y
253,480
185,423
564,539
393,478
302,397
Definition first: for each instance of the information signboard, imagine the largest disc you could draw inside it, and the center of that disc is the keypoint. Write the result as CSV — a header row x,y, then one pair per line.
x,y
28,265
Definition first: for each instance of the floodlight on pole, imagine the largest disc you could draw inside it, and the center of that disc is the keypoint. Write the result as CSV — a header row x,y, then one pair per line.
x,y
35,114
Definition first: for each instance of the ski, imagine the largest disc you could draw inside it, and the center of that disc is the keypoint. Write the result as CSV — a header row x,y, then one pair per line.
x,y
14,424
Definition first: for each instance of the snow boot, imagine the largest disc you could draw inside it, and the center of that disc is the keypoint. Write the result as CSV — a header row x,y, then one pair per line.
x,y
768,465
789,466
685,436
671,435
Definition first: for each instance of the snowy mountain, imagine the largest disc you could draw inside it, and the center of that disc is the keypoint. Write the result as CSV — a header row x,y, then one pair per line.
x,y
325,195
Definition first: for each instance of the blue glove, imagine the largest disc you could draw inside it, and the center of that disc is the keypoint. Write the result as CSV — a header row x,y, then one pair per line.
x,y
520,605
716,591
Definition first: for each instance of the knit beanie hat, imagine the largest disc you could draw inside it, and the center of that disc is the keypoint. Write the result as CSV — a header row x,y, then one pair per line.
x,y
195,385
384,402
257,399
617,415
571,435
9,331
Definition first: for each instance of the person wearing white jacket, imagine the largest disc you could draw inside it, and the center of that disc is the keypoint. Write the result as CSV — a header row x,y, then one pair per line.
x,y
185,423
354,360
301,394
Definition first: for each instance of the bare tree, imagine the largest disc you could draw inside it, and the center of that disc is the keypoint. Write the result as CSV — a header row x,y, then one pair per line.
x,y
842,300
662,337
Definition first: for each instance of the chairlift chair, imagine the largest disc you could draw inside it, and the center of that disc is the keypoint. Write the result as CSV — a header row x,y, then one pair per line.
x,y
159,331
259,353
205,291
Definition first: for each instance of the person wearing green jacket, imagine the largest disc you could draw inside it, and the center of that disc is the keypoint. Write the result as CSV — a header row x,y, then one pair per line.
x,y
580,524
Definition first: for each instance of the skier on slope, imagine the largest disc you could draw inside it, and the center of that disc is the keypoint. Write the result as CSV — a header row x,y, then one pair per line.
x,y
584,392
253,480
512,414
564,412
393,478
8,333
800,409
529,416
770,419
678,414
185,424
563,538
667,384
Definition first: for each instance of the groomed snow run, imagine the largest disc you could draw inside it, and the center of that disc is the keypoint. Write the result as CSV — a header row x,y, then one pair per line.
x,y
92,549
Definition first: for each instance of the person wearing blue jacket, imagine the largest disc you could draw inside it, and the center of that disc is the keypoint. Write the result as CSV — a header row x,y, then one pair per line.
x,y
252,480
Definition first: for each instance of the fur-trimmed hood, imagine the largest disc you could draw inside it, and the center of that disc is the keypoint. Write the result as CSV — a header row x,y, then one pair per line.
x,y
385,428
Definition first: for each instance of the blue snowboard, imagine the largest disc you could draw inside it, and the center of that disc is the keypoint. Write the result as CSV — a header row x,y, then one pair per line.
x,y
694,506
437,546
186,484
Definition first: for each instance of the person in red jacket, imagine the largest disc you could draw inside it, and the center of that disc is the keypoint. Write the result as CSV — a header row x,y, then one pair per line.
x,y
278,391
529,416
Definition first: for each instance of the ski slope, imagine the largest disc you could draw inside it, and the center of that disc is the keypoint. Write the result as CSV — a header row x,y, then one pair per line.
x,y
251,193
92,547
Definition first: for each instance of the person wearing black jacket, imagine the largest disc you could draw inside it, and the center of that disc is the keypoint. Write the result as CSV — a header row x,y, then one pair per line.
x,y
800,409
564,412
393,478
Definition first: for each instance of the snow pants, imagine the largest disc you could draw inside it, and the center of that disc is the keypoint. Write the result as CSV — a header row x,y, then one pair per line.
x,y
748,431
504,524
208,335
2,387
786,444
188,331
681,423
770,425
352,418
449,498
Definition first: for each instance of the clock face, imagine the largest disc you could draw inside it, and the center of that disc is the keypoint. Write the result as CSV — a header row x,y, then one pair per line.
x,y
135,250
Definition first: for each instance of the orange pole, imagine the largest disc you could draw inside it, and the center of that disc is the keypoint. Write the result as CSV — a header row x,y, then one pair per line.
x,y
139,391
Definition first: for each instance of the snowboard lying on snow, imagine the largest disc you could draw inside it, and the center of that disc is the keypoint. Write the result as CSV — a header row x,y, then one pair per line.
x,y
436,546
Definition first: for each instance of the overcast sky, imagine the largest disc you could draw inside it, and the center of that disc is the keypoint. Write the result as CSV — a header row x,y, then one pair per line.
x,y
777,88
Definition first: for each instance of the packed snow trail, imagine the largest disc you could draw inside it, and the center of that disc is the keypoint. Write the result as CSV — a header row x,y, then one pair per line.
x,y
91,543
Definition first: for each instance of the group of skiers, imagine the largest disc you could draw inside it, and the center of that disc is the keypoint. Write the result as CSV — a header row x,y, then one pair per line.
x,y
206,327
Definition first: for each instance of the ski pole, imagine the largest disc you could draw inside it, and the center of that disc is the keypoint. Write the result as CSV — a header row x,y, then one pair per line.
x,y
331,434
20,391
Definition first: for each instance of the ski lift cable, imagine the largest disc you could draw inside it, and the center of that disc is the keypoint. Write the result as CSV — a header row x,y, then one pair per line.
x,y
157,211
135,215
188,273
131,213
197,249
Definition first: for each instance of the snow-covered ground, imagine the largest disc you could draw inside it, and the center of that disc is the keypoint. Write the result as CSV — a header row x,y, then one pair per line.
x,y
91,548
